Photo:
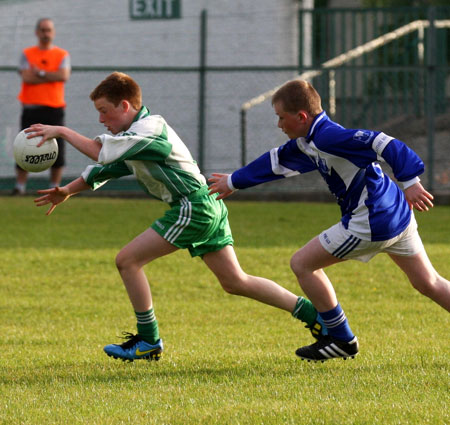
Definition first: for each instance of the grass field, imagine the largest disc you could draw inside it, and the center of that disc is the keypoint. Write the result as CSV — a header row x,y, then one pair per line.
x,y
228,360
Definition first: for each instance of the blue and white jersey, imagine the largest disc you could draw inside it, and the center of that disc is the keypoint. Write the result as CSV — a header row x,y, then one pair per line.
x,y
373,207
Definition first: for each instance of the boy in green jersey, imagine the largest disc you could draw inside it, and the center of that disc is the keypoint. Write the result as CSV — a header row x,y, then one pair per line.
x,y
145,146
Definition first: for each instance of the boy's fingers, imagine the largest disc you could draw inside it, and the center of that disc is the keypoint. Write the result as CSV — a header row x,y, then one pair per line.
x,y
225,194
41,198
215,177
51,209
41,202
41,142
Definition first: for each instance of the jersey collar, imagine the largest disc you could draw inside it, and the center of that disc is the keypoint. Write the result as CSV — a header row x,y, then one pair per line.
x,y
321,117
143,112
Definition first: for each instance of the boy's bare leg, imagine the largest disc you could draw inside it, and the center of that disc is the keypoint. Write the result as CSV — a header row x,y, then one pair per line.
x,y
425,278
130,261
146,344
307,264
225,265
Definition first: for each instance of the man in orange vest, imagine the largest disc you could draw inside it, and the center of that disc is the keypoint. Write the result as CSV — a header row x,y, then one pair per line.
x,y
44,69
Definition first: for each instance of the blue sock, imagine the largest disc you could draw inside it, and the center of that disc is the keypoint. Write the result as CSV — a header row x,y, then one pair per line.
x,y
337,324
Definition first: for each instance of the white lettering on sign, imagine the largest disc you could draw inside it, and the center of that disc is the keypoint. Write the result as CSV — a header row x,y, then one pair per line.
x,y
155,9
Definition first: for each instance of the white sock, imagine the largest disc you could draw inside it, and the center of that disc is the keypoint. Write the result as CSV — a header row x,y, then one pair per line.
x,y
21,187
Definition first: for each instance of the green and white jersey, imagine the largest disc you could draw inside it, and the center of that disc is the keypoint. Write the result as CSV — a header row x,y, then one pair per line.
x,y
152,151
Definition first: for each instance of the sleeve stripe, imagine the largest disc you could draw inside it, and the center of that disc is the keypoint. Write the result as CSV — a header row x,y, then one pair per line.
x,y
380,142
89,175
279,169
230,182
87,172
409,183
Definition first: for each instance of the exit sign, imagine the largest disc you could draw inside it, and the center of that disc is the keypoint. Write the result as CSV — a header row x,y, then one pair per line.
x,y
155,9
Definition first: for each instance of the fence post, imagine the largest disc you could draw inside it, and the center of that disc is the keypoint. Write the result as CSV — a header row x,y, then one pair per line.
x,y
202,89
243,137
430,97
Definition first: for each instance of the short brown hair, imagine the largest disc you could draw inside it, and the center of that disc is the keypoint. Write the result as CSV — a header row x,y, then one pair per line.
x,y
39,22
298,95
117,87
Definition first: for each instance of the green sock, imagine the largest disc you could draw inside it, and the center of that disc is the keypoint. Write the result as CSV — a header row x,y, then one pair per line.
x,y
305,311
147,326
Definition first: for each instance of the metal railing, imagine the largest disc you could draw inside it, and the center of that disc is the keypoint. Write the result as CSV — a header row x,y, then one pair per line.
x,y
414,88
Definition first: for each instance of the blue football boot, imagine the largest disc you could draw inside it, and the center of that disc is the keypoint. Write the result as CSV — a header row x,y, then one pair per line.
x,y
135,348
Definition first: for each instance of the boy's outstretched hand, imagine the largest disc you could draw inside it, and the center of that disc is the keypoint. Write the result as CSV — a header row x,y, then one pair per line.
x,y
219,185
54,196
46,131
418,197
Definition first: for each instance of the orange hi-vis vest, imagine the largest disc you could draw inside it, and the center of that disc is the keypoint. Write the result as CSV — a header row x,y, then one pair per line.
x,y
49,93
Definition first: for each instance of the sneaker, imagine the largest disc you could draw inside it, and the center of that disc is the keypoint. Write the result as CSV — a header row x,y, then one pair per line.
x,y
135,348
328,347
317,329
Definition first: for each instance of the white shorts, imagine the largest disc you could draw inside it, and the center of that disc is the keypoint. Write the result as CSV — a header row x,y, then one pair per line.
x,y
338,241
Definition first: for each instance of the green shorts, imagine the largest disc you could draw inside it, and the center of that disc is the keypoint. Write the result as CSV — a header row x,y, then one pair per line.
x,y
198,222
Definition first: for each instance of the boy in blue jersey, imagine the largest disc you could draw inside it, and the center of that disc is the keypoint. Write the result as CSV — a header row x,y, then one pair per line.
x,y
377,214
145,146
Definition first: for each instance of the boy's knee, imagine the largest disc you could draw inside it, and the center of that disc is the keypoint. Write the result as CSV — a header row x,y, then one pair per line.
x,y
232,285
426,285
229,289
296,264
121,260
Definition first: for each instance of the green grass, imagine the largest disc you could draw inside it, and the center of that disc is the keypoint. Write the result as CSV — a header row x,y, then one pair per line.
x,y
228,360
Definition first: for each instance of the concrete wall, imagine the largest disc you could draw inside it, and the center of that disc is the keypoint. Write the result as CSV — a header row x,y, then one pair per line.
x,y
101,33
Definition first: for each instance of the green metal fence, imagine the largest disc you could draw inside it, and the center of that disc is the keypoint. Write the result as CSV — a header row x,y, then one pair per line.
x,y
389,80
384,69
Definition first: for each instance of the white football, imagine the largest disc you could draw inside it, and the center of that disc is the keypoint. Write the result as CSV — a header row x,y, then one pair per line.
x,y
32,158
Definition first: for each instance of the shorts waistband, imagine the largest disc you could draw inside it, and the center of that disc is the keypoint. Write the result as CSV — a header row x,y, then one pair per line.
x,y
204,190
30,106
